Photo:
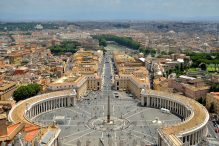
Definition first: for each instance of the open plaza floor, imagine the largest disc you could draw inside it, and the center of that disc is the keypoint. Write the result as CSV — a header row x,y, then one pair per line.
x,y
81,124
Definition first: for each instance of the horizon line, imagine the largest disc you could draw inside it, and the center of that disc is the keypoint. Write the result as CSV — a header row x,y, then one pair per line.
x,y
109,20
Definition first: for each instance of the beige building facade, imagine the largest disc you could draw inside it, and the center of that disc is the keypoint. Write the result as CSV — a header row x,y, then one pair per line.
x,y
6,90
85,74
132,76
130,84
190,87
213,98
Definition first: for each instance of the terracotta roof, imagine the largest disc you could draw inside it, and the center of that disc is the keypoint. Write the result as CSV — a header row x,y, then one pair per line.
x,y
12,131
215,94
31,132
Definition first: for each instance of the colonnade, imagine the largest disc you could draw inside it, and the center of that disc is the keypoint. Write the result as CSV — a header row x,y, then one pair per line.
x,y
28,109
48,104
188,136
161,102
195,137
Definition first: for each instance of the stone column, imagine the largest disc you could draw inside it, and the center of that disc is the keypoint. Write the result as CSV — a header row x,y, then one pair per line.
x,y
31,110
38,109
165,102
53,103
50,104
192,139
63,102
28,113
73,100
179,110
142,100
34,108
56,103
69,101
35,111
148,101
195,137
46,105
66,101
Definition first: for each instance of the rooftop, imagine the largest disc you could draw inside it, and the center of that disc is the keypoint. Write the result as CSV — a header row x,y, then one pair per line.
x,y
196,88
6,85
12,131
3,116
187,77
67,79
215,94
31,132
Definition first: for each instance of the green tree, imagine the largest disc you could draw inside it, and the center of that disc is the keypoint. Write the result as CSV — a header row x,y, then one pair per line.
x,y
170,71
202,101
147,51
214,87
206,58
124,41
182,67
64,47
212,108
102,42
104,50
24,92
163,53
203,66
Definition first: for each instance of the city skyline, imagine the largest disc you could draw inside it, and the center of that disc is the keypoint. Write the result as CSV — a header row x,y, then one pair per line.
x,y
66,10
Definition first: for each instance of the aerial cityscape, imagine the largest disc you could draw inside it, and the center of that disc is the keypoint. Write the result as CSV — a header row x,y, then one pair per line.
x,y
109,73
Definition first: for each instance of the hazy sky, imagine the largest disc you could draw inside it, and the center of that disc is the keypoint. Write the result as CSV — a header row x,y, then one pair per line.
x,y
73,10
